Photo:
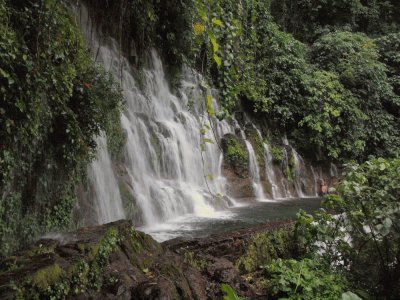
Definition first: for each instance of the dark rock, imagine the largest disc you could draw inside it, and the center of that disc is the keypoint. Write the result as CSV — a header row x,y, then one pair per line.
x,y
114,261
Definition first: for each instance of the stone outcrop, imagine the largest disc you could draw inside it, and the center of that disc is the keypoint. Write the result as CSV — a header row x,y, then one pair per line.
x,y
114,261
294,176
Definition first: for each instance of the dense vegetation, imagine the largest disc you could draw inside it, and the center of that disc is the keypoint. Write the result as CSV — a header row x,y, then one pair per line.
x,y
329,87
347,250
362,241
54,101
324,72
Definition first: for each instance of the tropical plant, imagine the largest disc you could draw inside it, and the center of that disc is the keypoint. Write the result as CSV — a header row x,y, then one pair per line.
x,y
363,238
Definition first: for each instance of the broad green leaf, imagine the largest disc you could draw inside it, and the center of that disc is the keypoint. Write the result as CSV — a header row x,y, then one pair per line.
x,y
230,294
217,60
210,109
213,41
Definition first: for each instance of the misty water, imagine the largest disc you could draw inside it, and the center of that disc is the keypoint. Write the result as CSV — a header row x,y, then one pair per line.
x,y
168,164
233,219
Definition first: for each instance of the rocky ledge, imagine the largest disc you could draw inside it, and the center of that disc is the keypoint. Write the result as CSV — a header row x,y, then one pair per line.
x,y
114,261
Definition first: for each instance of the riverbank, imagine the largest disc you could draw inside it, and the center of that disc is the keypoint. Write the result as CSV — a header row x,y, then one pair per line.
x,y
247,213
114,261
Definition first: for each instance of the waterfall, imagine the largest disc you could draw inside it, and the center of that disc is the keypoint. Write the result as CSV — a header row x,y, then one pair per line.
x,y
170,165
297,173
276,194
172,160
285,166
254,171
334,170
315,181
107,200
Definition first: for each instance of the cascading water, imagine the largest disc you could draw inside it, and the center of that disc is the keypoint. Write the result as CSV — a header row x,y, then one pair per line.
x,y
285,166
297,174
107,200
172,159
254,171
276,193
167,166
334,171
173,169
315,181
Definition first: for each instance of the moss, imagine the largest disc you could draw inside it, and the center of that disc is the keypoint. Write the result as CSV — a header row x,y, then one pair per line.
x,y
102,250
87,273
258,145
236,154
47,276
277,154
265,247
196,262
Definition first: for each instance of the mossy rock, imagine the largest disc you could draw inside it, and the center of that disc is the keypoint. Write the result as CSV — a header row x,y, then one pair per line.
x,y
47,276
262,248
235,154
80,265
277,154
258,145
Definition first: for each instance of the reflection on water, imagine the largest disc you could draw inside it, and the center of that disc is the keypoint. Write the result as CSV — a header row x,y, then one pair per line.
x,y
235,218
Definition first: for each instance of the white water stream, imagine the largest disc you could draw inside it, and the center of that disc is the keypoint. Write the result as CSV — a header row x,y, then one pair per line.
x,y
254,172
173,170
108,203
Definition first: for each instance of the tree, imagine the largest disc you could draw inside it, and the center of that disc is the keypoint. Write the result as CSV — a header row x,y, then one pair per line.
x,y
354,57
363,238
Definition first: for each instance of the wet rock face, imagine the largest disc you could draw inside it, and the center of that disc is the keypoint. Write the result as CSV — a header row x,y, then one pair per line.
x,y
235,155
112,261
283,173
235,167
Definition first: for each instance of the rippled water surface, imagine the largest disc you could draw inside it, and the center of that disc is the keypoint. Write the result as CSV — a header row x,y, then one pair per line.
x,y
232,219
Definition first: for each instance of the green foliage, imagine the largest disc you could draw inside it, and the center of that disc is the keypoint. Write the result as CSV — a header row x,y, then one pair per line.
x,y
338,100
263,248
277,154
332,118
236,154
389,54
258,145
284,67
305,279
364,239
54,101
196,262
306,19
354,57
230,294
141,24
